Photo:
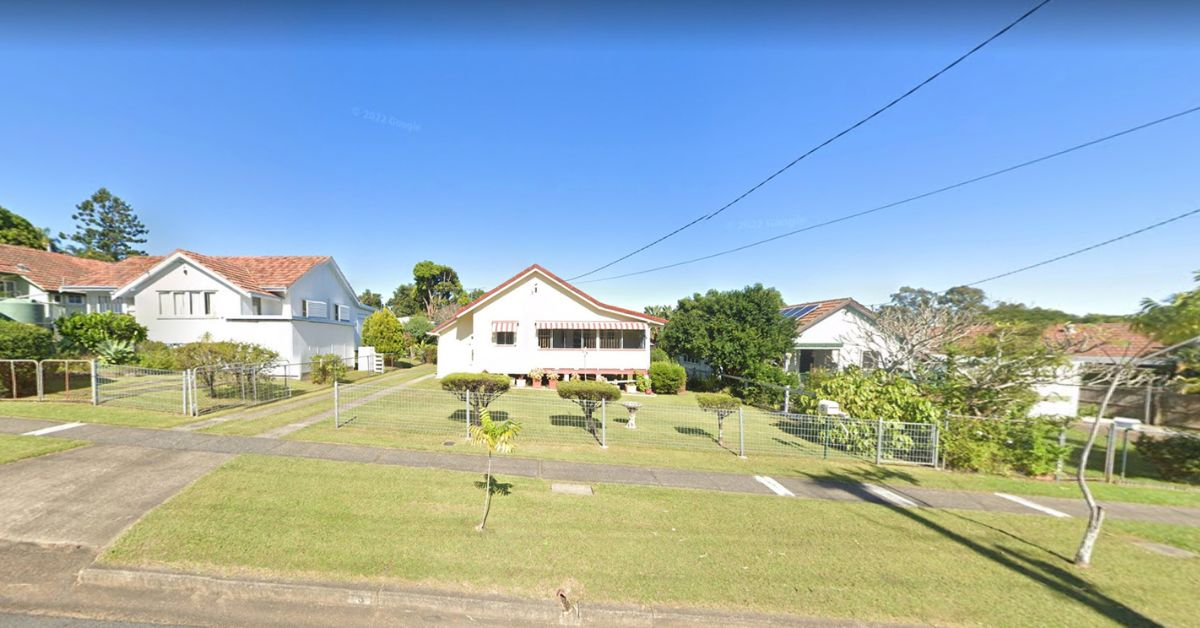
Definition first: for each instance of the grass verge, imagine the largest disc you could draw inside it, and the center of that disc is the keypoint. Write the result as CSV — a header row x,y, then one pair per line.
x,y
87,413
14,447
370,523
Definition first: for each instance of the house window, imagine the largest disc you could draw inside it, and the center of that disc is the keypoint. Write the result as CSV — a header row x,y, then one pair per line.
x,y
185,304
341,312
566,339
316,309
504,338
543,338
8,289
256,305
870,360
103,303
75,299
610,339
633,339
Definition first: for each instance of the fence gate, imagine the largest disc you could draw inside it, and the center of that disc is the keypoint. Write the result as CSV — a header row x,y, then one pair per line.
x,y
140,387
67,380
20,379
220,386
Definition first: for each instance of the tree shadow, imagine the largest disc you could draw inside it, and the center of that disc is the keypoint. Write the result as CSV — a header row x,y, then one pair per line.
x,y
1049,574
687,430
569,420
460,416
498,488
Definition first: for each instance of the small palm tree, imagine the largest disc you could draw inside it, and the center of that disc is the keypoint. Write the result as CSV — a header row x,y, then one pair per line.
x,y
498,437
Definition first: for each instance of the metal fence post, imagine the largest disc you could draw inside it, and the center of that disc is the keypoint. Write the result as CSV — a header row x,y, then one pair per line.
x,y
879,442
825,439
41,382
184,393
937,443
337,416
603,424
467,408
95,384
742,433
787,398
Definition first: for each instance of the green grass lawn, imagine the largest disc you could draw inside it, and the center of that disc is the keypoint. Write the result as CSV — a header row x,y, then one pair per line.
x,y
14,447
673,433
377,524
87,413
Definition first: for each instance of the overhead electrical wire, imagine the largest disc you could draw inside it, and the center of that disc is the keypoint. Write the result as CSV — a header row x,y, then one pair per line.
x,y
910,199
825,143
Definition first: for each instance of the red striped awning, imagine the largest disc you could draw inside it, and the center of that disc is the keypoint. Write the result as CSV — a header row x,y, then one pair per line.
x,y
590,325
498,326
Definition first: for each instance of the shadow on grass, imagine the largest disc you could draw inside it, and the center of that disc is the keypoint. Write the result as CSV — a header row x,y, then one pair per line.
x,y
576,420
1056,574
460,416
498,488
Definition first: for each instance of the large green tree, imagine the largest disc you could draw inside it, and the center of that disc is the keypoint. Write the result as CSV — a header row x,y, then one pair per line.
x,y
1172,320
404,301
372,299
106,228
15,229
735,331
435,286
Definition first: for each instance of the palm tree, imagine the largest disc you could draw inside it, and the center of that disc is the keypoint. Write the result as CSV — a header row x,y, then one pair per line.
x,y
498,437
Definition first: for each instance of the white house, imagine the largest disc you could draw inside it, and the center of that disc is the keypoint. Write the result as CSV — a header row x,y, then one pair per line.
x,y
298,306
1088,344
536,320
832,334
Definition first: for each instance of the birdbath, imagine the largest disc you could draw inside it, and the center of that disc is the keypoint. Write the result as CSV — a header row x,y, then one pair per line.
x,y
632,407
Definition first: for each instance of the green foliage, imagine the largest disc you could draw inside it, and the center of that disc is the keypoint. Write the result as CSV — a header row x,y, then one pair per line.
x,y
206,351
483,388
658,355
1172,320
385,332
371,299
404,301
872,395
156,355
1176,457
436,285
328,368
1022,445
419,327
588,395
718,402
1019,313
995,374
496,436
642,381
106,228
22,341
86,332
732,331
18,231
763,389
112,351
667,378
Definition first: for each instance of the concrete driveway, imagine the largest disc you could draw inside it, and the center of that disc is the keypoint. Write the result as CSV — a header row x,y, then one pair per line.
x,y
88,496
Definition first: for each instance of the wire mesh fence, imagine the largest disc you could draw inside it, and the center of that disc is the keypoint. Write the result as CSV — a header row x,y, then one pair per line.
x,y
650,423
20,380
219,386
66,380
142,388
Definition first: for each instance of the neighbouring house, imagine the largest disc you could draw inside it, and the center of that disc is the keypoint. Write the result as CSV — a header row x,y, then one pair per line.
x,y
1089,344
535,320
832,334
298,306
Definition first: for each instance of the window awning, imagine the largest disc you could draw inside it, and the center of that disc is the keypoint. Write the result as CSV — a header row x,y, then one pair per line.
x,y
500,326
590,325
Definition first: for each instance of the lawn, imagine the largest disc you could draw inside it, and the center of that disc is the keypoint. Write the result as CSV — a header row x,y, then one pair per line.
x,y
672,432
14,447
87,413
376,524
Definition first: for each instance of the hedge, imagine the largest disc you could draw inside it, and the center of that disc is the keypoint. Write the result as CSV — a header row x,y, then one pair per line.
x,y
667,378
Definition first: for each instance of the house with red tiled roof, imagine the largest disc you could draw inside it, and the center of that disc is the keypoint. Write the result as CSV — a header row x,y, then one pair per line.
x,y
537,322
298,306
832,334
1088,345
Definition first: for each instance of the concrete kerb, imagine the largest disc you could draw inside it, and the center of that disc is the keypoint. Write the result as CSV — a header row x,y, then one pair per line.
x,y
525,610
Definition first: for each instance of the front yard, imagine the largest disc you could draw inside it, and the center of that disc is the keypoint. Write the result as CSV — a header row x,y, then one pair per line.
x,y
296,518
14,447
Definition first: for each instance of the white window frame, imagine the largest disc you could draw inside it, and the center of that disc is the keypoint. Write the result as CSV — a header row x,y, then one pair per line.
x,y
185,303
8,288
308,304
341,312
75,299
496,335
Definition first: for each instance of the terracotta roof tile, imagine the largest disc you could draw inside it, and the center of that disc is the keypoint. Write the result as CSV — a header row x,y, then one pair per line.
x,y
1101,340
823,309
50,271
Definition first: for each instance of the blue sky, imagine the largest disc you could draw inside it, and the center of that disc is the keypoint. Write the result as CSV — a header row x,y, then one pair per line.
x,y
570,134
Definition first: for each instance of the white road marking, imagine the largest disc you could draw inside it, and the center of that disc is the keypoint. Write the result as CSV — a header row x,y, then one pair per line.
x,y
891,497
774,485
1034,505
52,429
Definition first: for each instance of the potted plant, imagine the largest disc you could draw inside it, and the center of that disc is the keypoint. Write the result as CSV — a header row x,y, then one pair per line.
x,y
553,379
536,375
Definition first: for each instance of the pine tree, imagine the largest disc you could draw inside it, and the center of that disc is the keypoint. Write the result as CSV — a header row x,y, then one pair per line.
x,y
106,228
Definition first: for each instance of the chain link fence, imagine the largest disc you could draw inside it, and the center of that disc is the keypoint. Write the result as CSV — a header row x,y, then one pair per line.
x,y
650,423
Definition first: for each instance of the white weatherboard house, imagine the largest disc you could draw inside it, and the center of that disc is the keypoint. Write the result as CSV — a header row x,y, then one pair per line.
x,y
832,334
536,320
298,306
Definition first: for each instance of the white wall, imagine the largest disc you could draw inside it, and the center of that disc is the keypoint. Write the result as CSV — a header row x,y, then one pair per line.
x,y
320,283
845,328
467,346
185,276
1061,397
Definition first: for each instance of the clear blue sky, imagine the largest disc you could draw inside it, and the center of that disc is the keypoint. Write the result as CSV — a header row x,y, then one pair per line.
x,y
567,134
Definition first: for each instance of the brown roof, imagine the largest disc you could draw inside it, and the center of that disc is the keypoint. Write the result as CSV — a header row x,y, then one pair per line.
x,y
1101,340
53,271
824,309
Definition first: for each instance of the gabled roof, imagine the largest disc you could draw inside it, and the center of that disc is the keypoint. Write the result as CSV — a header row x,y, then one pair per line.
x,y
535,268
1112,341
46,270
813,312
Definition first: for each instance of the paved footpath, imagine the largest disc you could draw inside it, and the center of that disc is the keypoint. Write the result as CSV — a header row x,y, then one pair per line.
x,y
892,496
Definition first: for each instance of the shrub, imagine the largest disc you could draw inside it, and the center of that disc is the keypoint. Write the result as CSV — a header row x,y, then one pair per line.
x,y
588,395
1176,458
869,395
328,368
85,332
720,404
385,332
483,388
207,352
765,386
22,341
658,355
116,351
1023,445
667,378
156,355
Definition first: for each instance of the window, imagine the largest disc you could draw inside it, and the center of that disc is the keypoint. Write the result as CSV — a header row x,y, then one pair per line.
x,y
341,312
316,309
504,338
870,360
543,338
189,304
633,339
610,339
8,288
75,299
256,306
566,339
103,303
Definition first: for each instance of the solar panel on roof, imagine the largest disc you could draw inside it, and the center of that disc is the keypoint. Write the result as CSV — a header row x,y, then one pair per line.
x,y
798,311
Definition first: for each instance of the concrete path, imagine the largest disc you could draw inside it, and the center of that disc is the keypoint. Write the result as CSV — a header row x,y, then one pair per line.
x,y
591,473
327,411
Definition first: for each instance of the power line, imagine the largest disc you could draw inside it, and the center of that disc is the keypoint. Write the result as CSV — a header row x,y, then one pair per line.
x,y
1090,247
827,142
910,199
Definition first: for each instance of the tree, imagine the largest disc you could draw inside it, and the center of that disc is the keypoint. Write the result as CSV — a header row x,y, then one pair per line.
x,y
916,326
372,299
106,228
18,231
497,437
720,404
732,331
435,287
418,327
588,396
87,332
403,301
478,389
385,332
1175,319
471,295
661,311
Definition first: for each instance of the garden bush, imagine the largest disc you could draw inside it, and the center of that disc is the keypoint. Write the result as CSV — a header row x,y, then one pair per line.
x,y
720,404
86,332
22,341
1023,445
328,368
667,378
482,387
385,332
588,395
769,393
1177,458
658,355
152,354
111,351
